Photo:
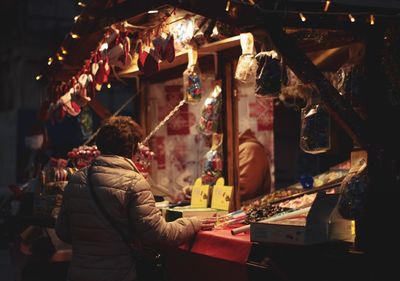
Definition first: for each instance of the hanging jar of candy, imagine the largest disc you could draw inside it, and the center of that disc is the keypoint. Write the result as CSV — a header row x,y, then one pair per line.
x,y
211,111
315,129
213,162
192,87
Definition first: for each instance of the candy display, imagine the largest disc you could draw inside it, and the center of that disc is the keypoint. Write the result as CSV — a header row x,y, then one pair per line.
x,y
192,84
82,156
269,73
315,129
261,213
210,112
212,169
318,181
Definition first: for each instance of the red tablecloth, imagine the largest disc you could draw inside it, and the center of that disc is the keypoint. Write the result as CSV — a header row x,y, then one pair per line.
x,y
221,244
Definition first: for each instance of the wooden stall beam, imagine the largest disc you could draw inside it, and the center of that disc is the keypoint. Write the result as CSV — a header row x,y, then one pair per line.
x,y
339,108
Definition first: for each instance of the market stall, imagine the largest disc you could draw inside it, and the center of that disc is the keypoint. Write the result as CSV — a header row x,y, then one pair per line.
x,y
204,74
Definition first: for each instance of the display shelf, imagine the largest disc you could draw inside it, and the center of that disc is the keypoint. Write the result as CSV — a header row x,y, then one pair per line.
x,y
182,58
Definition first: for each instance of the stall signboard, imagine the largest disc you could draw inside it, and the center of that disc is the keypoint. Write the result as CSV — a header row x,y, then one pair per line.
x,y
200,195
221,195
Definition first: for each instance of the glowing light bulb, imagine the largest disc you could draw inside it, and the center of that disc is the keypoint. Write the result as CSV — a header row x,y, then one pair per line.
x,y
109,85
81,4
228,6
327,4
50,61
371,19
302,17
38,77
76,18
351,18
63,51
74,35
152,12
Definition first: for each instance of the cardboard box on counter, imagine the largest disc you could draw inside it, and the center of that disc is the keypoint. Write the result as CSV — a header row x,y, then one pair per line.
x,y
172,214
321,224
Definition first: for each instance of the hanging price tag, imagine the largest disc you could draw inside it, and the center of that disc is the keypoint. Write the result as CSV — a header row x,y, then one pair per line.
x,y
221,196
200,195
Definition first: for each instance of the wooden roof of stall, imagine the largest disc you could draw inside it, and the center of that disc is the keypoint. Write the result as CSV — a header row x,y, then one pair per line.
x,y
99,14
279,19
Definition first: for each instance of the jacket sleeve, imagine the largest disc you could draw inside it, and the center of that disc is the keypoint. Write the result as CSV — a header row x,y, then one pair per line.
x,y
62,226
149,224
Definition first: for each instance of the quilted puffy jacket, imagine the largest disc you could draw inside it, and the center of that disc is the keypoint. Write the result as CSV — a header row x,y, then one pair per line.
x,y
99,253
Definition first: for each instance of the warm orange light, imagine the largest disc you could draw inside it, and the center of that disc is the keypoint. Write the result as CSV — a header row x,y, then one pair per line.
x,y
109,85
59,57
74,35
228,6
76,18
50,61
302,17
63,51
351,18
81,4
371,19
38,77
327,4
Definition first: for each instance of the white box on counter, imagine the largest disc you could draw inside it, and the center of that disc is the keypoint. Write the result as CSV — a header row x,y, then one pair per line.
x,y
322,223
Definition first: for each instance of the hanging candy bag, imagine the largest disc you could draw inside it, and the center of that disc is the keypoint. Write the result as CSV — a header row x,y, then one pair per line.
x,y
269,73
315,129
246,68
212,169
210,112
192,87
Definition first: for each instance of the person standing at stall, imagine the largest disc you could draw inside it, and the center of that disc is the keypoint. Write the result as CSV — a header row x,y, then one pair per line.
x,y
254,167
99,253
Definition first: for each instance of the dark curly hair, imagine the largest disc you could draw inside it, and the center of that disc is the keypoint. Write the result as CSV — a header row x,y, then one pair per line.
x,y
119,135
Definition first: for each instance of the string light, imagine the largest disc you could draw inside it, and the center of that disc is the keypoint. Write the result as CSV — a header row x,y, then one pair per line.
x,y
372,19
38,77
63,51
50,61
351,18
60,57
76,18
228,6
302,17
81,4
74,35
327,4
109,85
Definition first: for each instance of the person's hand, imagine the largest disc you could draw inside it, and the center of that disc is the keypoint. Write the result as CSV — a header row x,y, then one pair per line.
x,y
207,223
187,192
